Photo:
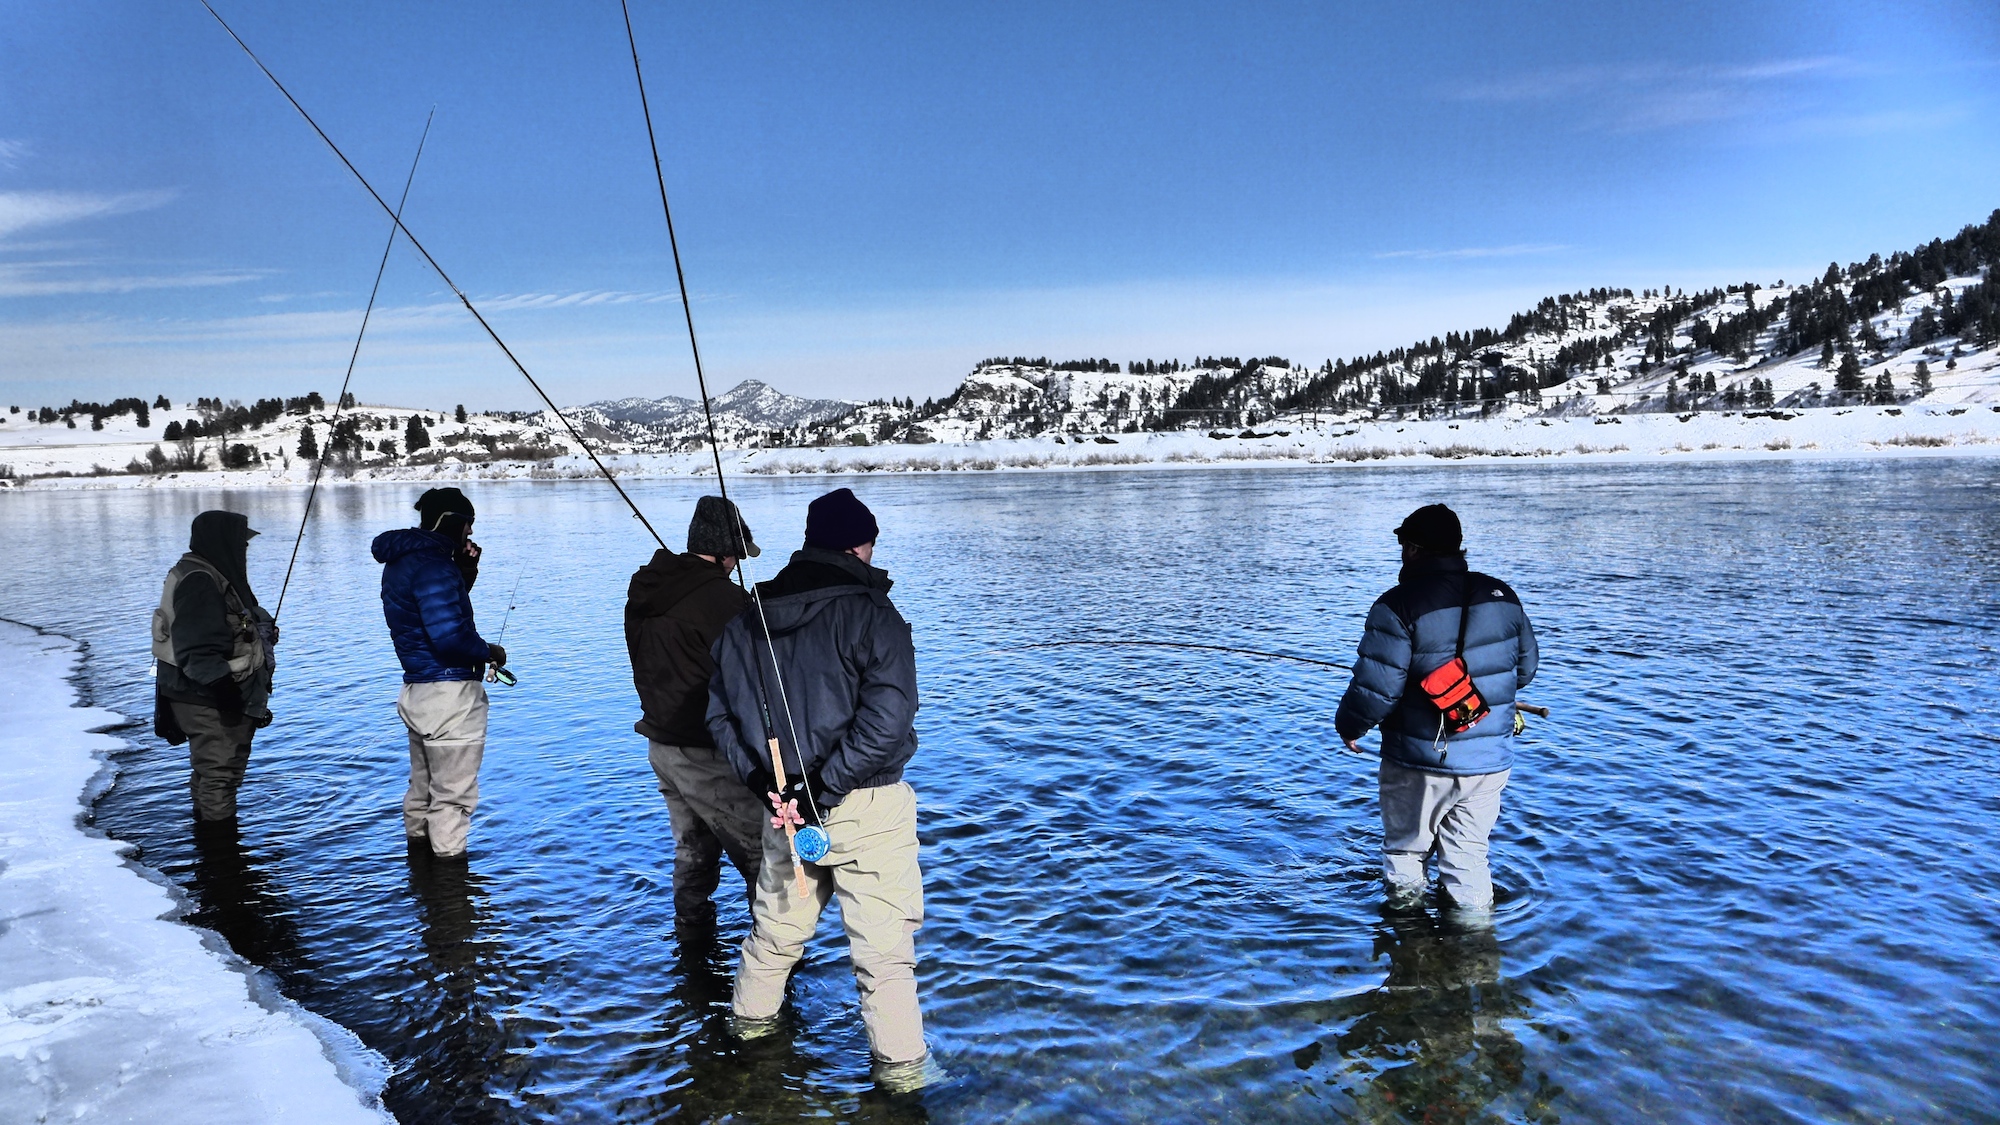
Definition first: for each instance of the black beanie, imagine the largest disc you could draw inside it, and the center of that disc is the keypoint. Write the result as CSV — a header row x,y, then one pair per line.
x,y
1434,528
839,520
439,501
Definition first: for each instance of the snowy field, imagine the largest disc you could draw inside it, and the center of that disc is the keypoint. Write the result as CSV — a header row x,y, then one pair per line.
x,y
109,1010
1849,431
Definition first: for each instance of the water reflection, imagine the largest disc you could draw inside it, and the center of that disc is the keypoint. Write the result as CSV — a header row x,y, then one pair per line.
x,y
1433,1042
464,1053
233,895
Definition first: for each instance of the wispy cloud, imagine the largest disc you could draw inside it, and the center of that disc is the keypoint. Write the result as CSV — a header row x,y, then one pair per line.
x,y
1645,97
572,300
51,279
1465,252
25,210
12,152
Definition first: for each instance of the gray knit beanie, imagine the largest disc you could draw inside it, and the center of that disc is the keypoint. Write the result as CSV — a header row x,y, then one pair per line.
x,y
713,530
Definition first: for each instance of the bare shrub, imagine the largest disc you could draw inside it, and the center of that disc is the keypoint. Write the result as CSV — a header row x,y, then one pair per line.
x,y
1926,441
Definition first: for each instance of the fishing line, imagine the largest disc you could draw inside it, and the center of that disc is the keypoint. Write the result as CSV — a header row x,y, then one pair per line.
x,y
499,673
452,285
319,463
812,841
1169,644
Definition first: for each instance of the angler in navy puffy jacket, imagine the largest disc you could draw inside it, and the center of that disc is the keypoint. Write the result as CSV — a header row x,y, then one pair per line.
x,y
1440,788
427,576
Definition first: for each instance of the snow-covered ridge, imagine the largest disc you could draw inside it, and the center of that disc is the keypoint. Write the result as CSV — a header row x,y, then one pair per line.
x,y
750,413
108,1010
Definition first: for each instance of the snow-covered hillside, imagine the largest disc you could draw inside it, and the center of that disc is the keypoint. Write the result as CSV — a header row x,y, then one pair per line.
x,y
1922,325
1918,329
749,414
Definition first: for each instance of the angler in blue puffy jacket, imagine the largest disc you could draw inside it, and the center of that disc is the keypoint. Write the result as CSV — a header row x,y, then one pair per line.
x,y
427,576
1440,785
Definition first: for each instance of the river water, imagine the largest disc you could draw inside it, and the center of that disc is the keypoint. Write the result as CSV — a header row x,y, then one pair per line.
x,y
1749,871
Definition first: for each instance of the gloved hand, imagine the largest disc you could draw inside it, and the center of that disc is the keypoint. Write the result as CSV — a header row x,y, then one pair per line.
x,y
809,808
821,801
761,785
496,655
228,695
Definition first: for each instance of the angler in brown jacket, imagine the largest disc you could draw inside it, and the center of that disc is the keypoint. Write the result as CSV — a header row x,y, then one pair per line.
x,y
676,607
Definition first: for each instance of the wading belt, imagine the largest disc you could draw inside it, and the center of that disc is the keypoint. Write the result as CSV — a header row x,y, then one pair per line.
x,y
1450,688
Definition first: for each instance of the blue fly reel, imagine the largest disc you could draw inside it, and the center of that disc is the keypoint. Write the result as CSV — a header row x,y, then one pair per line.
x,y
812,843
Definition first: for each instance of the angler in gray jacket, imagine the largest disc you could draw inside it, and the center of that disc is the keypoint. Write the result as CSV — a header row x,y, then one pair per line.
x,y
839,670
1440,786
213,649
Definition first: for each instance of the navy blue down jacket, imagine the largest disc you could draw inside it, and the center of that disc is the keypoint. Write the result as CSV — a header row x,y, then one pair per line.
x,y
429,612
1412,630
850,675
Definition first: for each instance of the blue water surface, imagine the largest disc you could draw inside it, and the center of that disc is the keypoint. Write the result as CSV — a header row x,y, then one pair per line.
x,y
1750,870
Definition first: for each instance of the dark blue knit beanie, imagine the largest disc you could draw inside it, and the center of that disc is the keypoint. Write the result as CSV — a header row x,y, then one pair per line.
x,y
839,520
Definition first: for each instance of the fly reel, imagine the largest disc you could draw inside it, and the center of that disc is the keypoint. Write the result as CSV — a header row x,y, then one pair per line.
x,y
812,843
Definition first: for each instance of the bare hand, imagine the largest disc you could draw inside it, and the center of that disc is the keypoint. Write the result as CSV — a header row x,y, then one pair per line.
x,y
787,813
471,550
1354,745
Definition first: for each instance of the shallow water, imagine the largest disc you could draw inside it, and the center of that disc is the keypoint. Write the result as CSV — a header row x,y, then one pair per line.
x,y
1748,871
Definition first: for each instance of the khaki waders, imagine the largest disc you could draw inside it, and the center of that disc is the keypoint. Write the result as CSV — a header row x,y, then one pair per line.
x,y
872,869
447,725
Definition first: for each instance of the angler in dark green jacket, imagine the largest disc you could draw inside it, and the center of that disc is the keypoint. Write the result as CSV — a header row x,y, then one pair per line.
x,y
213,646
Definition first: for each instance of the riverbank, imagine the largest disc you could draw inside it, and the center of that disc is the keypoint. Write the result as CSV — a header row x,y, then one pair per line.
x,y
109,1010
1826,432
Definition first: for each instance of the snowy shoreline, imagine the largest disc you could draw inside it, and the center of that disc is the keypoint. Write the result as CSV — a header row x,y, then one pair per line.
x,y
109,1008
1971,429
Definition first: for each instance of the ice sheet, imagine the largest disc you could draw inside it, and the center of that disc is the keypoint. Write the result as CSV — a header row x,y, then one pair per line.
x,y
109,1010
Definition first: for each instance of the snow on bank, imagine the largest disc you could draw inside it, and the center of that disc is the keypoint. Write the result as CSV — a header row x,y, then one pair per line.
x,y
108,1010
1826,432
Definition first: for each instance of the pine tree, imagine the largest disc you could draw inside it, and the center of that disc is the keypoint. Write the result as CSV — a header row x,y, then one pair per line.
x,y
308,445
415,437
1885,388
459,414
1923,378
1848,379
172,432
1826,354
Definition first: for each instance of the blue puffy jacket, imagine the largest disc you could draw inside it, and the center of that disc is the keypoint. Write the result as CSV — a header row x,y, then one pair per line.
x,y
1413,630
424,600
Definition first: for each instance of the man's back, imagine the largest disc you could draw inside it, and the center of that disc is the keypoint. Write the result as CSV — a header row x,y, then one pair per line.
x,y
847,672
1412,630
675,608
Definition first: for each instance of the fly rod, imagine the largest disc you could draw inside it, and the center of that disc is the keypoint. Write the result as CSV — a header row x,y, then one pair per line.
x,y
499,673
816,842
319,463
445,277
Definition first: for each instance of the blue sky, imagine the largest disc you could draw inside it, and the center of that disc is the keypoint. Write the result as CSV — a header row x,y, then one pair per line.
x,y
872,197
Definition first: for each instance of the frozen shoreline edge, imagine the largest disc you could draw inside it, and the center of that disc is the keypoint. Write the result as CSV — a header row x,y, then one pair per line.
x,y
1823,433
108,1003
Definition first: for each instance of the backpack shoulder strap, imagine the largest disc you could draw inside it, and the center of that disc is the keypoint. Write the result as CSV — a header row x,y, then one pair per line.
x,y
1465,614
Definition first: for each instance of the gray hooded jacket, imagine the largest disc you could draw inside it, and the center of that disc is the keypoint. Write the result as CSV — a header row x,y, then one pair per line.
x,y
849,674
